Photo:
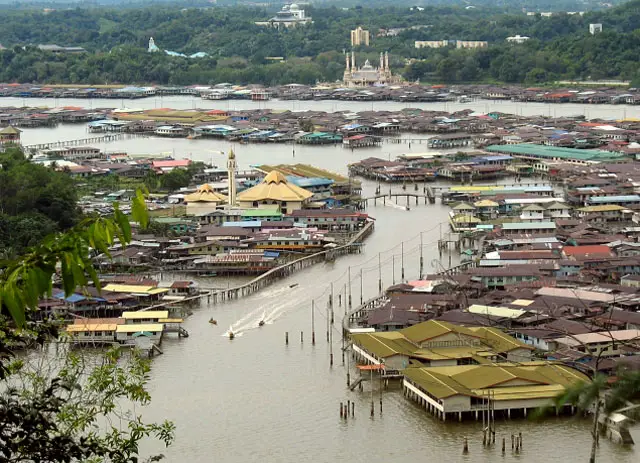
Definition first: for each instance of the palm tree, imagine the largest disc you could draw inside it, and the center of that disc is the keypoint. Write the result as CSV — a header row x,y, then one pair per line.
x,y
599,397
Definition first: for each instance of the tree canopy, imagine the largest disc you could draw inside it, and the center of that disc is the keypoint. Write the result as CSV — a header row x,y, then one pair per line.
x,y
34,201
237,48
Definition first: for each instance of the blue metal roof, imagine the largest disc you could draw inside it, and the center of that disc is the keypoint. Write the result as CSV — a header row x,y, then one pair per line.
x,y
243,223
72,299
609,199
309,182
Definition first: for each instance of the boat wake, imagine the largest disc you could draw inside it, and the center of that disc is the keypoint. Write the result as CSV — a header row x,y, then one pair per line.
x,y
267,313
396,206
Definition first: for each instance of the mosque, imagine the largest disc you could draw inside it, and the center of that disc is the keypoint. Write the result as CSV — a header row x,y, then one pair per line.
x,y
274,189
367,75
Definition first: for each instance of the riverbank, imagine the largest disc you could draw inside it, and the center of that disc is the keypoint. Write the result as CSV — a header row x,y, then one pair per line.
x,y
566,92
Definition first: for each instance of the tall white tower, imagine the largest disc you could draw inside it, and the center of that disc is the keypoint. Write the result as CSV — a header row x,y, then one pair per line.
x,y
231,171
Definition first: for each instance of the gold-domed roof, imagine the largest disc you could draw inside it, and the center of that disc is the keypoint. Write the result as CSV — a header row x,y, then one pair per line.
x,y
275,187
232,155
205,193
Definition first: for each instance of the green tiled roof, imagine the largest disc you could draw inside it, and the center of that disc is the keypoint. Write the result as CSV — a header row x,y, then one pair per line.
x,y
556,152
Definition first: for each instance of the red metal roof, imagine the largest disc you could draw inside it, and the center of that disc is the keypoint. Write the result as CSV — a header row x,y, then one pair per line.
x,y
587,250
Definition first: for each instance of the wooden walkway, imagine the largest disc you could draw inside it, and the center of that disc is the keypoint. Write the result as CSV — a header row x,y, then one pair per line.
x,y
86,141
353,246
429,198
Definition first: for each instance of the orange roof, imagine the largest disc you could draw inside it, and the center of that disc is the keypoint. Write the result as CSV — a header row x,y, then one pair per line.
x,y
596,249
370,367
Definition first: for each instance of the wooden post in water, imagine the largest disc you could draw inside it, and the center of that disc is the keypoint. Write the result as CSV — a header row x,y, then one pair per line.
x,y
361,292
286,338
331,302
372,410
379,274
349,283
421,258
331,348
465,447
341,411
402,256
504,445
313,322
301,337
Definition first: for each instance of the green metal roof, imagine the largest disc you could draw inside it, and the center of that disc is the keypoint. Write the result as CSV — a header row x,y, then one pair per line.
x,y
261,213
552,152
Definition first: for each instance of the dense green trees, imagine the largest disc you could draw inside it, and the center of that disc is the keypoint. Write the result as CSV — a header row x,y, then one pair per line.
x,y
34,202
63,407
560,45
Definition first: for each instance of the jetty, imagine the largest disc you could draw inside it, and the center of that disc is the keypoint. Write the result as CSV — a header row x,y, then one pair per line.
x,y
86,141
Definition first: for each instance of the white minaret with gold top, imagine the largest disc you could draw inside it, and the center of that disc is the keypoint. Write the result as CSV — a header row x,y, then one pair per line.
x,y
231,170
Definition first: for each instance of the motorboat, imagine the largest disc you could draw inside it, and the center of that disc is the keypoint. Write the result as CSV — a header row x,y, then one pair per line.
x,y
293,285
213,322
231,335
261,323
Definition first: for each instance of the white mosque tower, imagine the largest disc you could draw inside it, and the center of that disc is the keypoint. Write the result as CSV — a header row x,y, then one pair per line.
x,y
231,170
152,46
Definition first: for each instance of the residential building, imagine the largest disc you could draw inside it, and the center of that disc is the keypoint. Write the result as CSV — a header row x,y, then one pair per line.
x,y
471,44
603,343
595,28
359,37
517,39
431,43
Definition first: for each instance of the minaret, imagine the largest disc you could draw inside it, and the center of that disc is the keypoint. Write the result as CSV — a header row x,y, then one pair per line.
x,y
353,61
347,60
231,171
381,62
386,61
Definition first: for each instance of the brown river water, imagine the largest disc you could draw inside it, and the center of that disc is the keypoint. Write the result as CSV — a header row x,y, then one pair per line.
x,y
253,399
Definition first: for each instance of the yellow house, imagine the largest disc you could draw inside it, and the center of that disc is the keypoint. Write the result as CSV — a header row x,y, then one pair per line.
x,y
275,189
204,201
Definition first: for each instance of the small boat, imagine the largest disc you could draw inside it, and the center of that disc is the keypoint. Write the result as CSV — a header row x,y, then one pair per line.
x,y
261,323
293,285
213,322
231,335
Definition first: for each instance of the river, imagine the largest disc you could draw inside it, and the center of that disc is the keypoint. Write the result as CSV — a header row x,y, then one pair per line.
x,y
254,399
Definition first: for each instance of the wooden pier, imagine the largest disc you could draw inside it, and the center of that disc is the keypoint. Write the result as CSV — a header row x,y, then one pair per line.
x,y
222,295
429,198
86,141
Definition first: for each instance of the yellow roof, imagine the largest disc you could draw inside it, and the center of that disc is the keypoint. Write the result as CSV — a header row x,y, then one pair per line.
x,y
602,208
543,379
503,312
464,218
91,327
148,314
205,193
134,289
275,187
522,302
136,328
486,203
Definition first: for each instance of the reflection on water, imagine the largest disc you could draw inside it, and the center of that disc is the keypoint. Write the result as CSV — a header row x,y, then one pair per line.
x,y
255,399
